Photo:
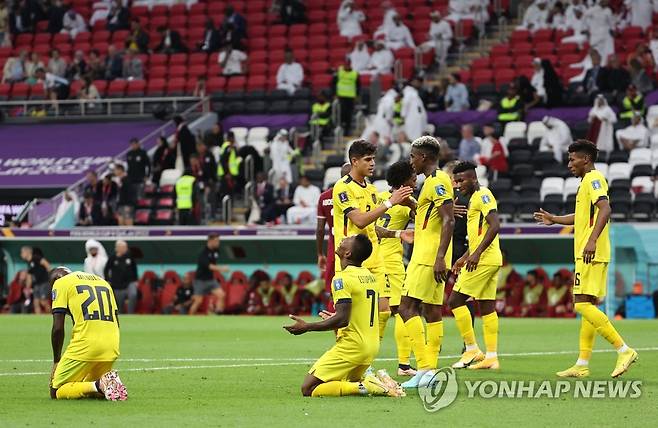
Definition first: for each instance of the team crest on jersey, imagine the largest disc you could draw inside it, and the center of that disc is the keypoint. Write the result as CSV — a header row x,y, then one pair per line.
x,y
374,198
440,190
596,184
54,294
486,199
343,196
338,284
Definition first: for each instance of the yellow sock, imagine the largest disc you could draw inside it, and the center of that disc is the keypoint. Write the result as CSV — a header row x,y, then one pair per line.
x,y
336,388
434,339
416,332
600,322
402,341
383,319
586,340
464,324
73,390
490,328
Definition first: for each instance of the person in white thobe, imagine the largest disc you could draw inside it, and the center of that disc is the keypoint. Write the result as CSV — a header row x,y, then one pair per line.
x,y
576,21
381,60
96,258
413,112
387,21
602,111
73,23
641,12
536,16
398,35
653,47
360,57
280,153
557,137
477,10
439,38
382,122
349,20
305,200
600,23
290,75
633,136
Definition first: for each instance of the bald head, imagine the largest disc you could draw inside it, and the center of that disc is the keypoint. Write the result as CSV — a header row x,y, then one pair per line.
x,y
121,247
345,169
58,273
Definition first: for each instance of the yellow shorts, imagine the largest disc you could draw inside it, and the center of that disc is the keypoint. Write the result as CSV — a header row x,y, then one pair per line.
x,y
420,284
332,366
480,284
395,281
69,370
591,279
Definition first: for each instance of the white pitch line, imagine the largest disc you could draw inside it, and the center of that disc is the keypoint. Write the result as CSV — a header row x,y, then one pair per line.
x,y
284,362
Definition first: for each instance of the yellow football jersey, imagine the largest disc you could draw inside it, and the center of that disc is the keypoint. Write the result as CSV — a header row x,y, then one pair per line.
x,y
395,218
359,341
437,190
592,188
347,196
482,202
89,300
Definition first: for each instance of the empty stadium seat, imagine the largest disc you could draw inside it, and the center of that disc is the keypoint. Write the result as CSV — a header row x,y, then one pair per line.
x,y
639,156
240,135
515,130
602,168
331,176
553,203
642,170
536,130
644,206
619,170
169,177
257,134
642,184
571,185
621,206
551,185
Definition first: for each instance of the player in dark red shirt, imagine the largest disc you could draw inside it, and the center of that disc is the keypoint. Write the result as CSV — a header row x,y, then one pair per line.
x,y
326,216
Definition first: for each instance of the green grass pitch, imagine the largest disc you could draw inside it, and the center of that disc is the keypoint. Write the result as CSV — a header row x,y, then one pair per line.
x,y
246,371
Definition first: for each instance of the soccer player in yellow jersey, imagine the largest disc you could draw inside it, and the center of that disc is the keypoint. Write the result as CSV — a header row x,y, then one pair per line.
x,y
340,371
356,209
478,270
430,260
592,254
398,175
85,369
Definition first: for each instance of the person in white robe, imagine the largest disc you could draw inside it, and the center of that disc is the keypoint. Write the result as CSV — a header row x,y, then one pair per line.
x,y
96,258
381,60
413,112
290,75
633,136
557,137
600,24
280,154
382,121
398,35
641,12
439,38
349,20
305,200
603,117
360,57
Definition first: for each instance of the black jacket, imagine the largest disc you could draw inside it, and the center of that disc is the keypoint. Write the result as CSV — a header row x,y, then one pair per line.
x,y
187,144
139,165
95,213
176,46
120,271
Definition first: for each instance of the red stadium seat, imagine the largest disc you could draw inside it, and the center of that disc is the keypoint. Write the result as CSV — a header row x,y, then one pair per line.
x,y
61,38
5,91
177,71
522,48
500,50
101,85
176,86
520,36
319,67
178,59
178,10
503,76
158,59
543,35
236,83
321,81
257,43
544,48
277,43
277,31
24,39
117,88
480,63
482,76
159,10
632,33
156,87
566,48
37,92
157,72
256,82
168,295
136,88
20,91
164,216
216,84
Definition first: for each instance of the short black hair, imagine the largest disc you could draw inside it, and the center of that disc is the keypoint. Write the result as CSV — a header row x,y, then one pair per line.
x,y
134,140
213,235
57,273
463,167
361,148
120,166
399,173
429,145
586,147
361,249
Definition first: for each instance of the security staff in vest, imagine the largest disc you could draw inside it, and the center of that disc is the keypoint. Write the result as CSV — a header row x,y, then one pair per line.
x,y
398,120
321,114
185,195
633,103
510,108
346,86
228,168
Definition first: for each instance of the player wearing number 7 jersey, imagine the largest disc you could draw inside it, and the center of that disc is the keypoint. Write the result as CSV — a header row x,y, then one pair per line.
x,y
85,369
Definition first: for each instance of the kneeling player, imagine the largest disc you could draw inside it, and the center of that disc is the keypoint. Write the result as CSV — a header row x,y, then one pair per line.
x,y
85,369
478,271
340,371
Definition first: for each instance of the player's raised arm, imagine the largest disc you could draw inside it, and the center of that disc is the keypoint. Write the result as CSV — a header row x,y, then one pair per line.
x,y
548,219
447,216
601,221
339,320
363,219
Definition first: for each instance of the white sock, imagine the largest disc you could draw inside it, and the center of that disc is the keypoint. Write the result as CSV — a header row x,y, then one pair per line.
x,y
622,348
491,355
95,387
581,362
472,347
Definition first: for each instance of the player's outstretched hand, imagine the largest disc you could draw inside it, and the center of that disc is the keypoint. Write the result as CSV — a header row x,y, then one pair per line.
x,y
440,270
543,217
407,236
400,194
459,210
322,262
324,314
299,327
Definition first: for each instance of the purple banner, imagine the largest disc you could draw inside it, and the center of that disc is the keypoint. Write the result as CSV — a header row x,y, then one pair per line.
x,y
57,155
272,121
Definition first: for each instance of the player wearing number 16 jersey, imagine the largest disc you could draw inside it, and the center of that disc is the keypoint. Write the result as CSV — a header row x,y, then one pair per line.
x,y
85,369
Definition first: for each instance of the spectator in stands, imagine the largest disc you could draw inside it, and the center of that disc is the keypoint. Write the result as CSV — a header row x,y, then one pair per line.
x,y
56,88
133,68
469,146
281,203
56,64
291,295
456,97
76,68
471,9
229,37
184,295
413,110
68,205
205,283
381,60
138,40
557,18
264,300
214,137
346,85
113,64
109,191
527,93
88,92
5,36
493,154
96,258
590,84
20,18
639,77
382,122
360,57
510,107
653,47
73,23
631,104
600,26
290,75
643,55
281,154
31,65
185,139
633,136
546,83
349,20
558,296
305,202
186,197
557,137
121,273
292,12
211,38
89,213
164,157
139,164
56,13
439,38
95,66
398,35
232,61
575,20
321,114
200,89
118,17
613,78
264,195
641,12
536,16
92,185
171,41
127,196
14,69
534,296
237,21
228,170
37,278
602,119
